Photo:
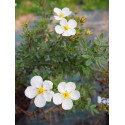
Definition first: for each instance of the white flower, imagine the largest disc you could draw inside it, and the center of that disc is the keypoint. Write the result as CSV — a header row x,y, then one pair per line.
x,y
62,13
103,100
66,95
41,90
66,28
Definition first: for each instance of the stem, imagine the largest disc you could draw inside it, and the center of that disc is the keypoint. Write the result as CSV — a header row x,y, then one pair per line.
x,y
50,109
25,112
56,42
29,44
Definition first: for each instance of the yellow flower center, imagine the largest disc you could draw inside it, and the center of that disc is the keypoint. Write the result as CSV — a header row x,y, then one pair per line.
x,y
61,15
66,27
40,90
66,95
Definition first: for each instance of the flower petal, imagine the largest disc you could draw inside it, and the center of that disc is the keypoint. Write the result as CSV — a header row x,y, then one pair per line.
x,y
47,85
48,95
66,11
67,104
57,98
99,99
72,23
58,18
72,31
36,81
63,22
30,92
57,11
70,86
61,87
66,33
59,29
40,101
75,95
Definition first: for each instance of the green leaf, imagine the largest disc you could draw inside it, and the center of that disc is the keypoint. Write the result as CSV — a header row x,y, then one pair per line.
x,y
88,62
35,73
103,62
82,43
86,56
93,109
104,46
89,100
96,111
98,38
89,43
96,49
102,36
92,106
98,55
104,41
96,42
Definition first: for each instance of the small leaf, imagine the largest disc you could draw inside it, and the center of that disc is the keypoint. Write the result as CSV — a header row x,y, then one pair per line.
x,y
96,42
88,62
101,36
86,56
96,111
89,101
35,73
89,43
104,45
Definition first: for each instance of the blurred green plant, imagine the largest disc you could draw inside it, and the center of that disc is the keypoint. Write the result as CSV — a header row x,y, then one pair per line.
x,y
22,8
95,4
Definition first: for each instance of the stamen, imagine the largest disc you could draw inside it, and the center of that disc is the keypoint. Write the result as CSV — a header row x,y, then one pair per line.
x,y
66,95
40,90
66,27
61,15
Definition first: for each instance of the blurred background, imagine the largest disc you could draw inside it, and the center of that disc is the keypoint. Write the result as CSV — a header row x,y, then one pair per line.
x,y
97,14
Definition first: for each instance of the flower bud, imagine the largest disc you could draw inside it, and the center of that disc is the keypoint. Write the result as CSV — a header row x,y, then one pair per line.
x,y
76,11
26,24
82,19
106,108
100,106
88,32
77,33
42,20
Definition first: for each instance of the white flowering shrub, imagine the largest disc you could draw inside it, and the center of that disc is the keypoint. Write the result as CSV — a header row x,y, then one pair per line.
x,y
53,50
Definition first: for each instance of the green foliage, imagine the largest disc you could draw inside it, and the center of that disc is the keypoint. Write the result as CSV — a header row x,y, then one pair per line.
x,y
54,57
93,109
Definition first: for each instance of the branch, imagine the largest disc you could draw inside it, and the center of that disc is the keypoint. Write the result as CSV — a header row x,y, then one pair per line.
x,y
29,44
25,112
49,111
53,109
56,42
